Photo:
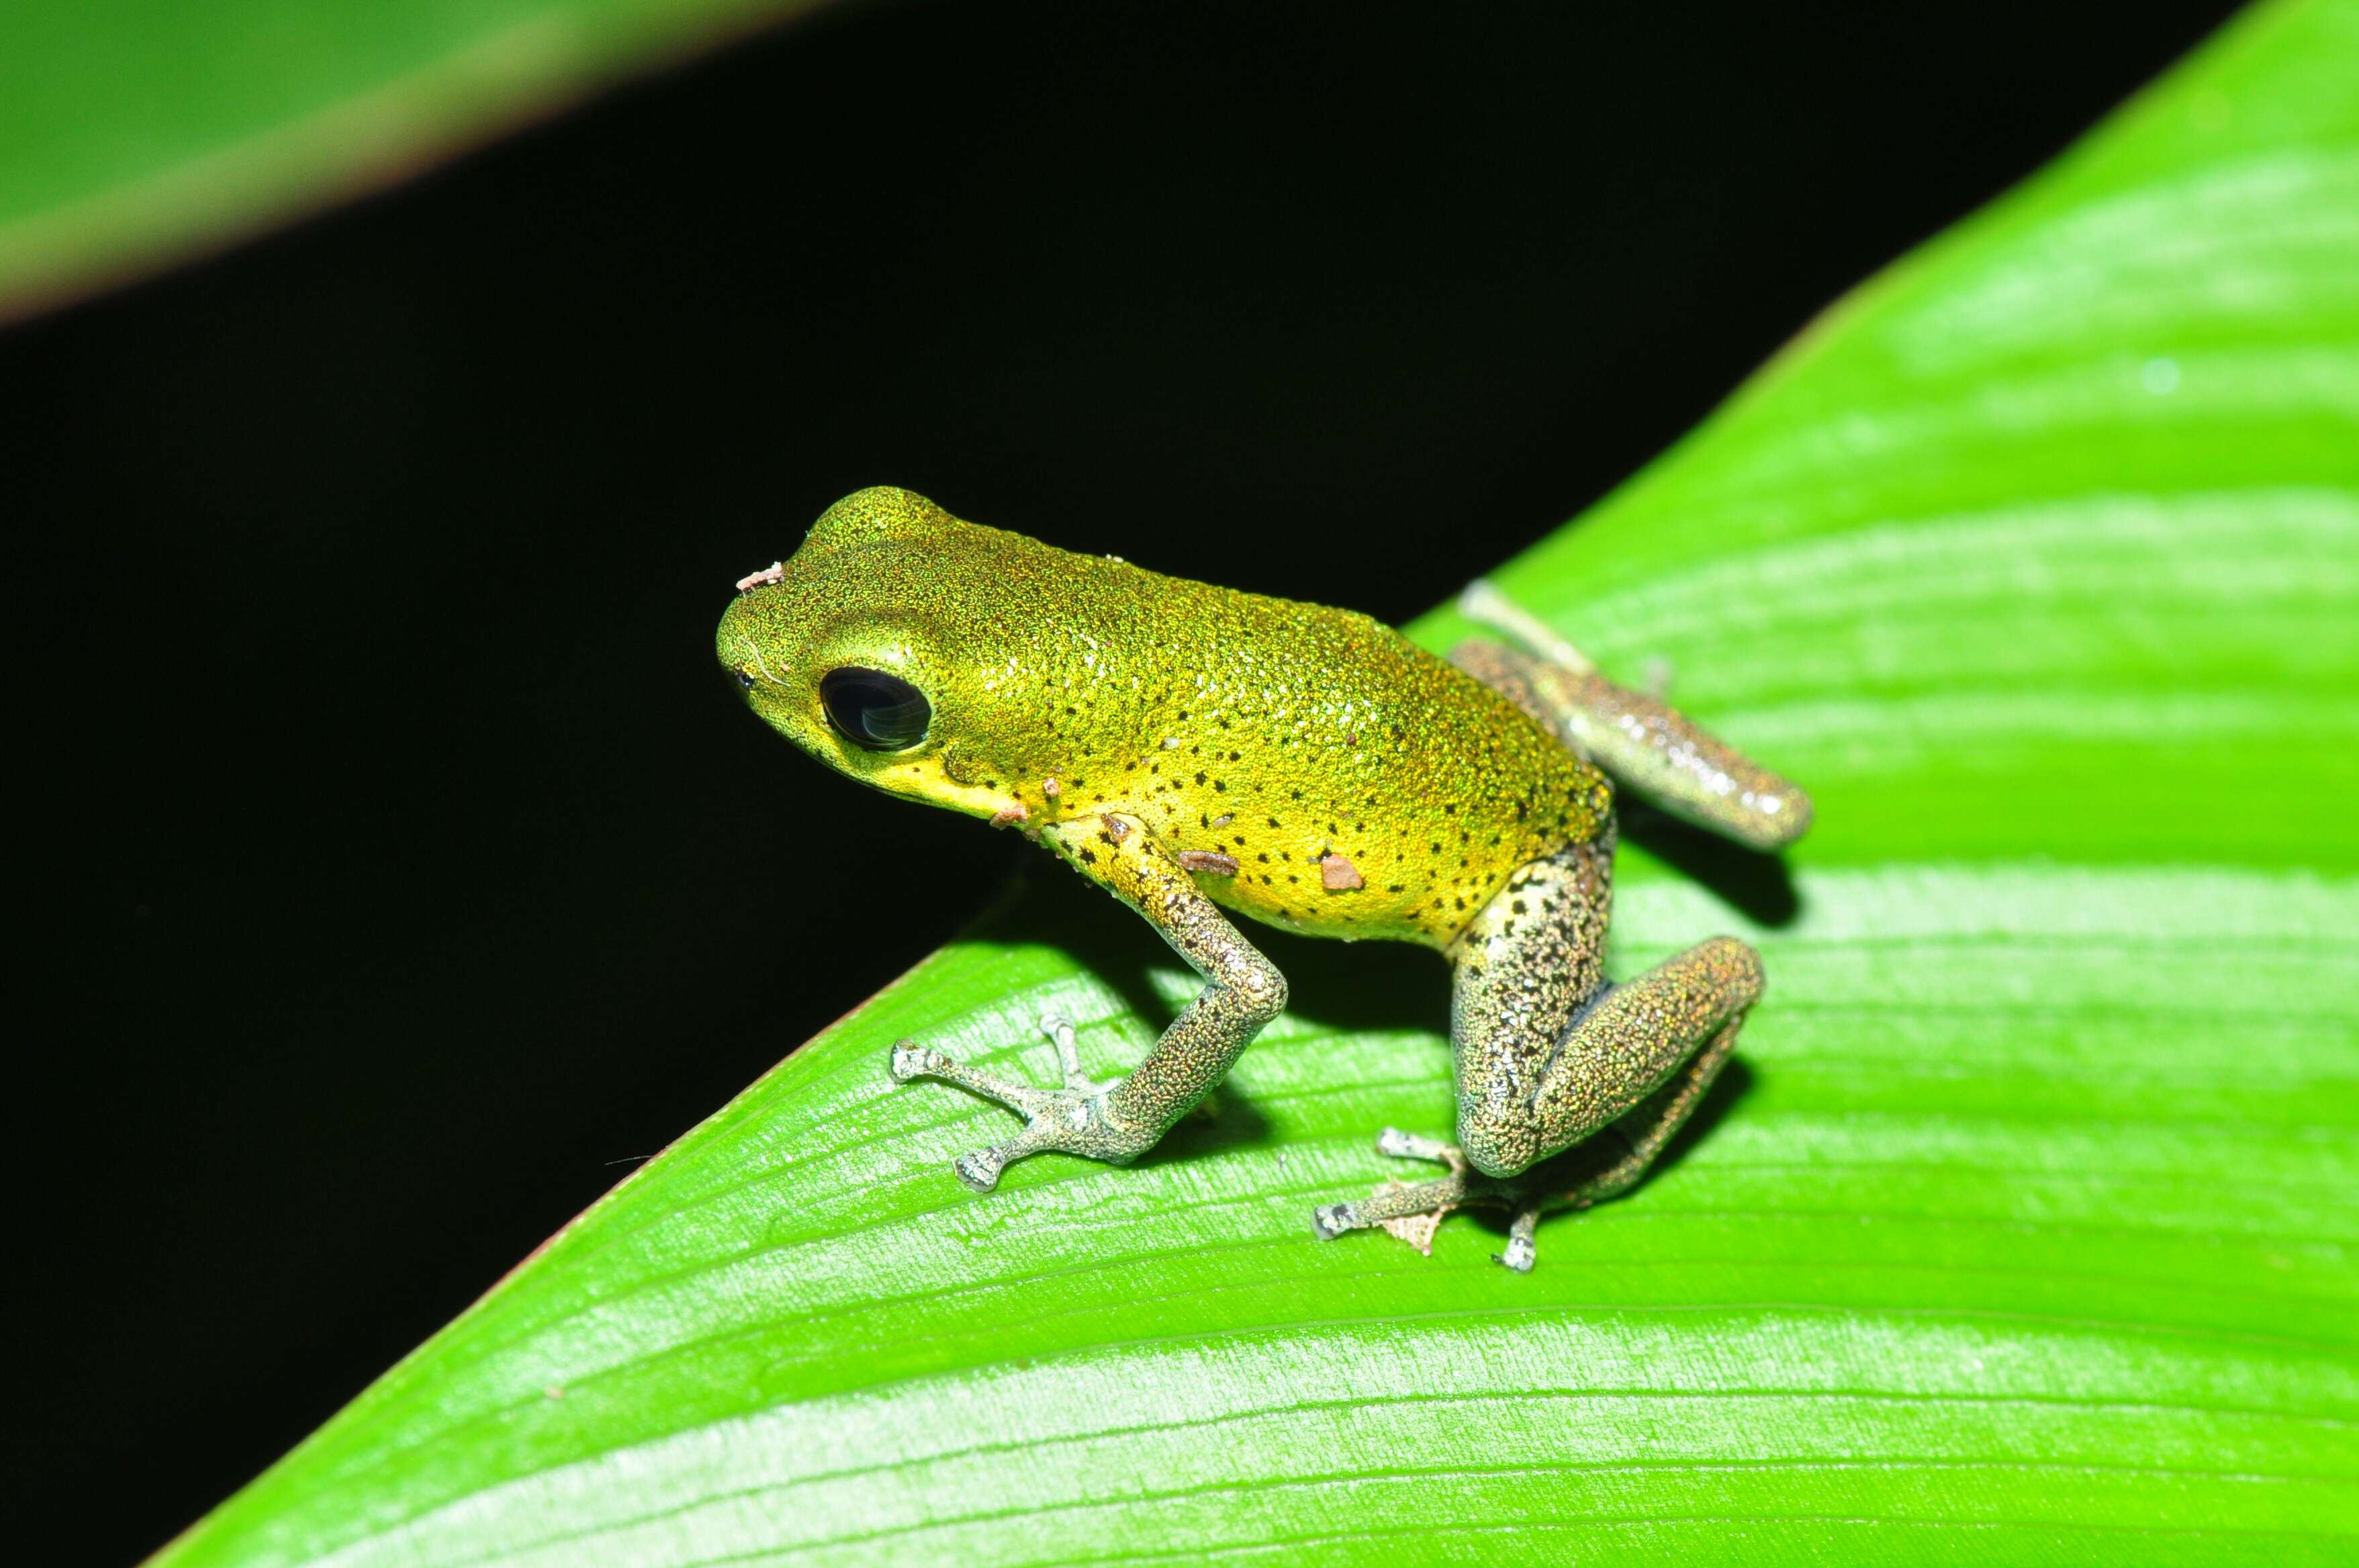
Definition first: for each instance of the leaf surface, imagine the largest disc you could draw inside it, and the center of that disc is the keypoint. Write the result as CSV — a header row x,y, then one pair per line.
x,y
2026,1230
135,132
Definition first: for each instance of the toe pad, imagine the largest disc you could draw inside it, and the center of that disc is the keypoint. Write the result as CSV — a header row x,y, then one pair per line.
x,y
980,1171
1331,1221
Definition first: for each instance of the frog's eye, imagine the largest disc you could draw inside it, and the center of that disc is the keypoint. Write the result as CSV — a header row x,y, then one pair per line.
x,y
874,711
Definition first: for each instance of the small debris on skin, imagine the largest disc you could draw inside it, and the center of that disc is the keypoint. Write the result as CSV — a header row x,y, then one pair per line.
x,y
1051,789
1008,816
555,1391
770,576
1219,865
1224,819
1338,874
1117,828
1352,737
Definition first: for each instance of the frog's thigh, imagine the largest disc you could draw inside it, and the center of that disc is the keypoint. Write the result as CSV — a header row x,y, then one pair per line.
x,y
1547,1053
1647,745
1523,968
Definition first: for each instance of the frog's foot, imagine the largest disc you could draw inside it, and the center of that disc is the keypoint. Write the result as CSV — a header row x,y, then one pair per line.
x,y
1412,1210
1072,1119
1409,1209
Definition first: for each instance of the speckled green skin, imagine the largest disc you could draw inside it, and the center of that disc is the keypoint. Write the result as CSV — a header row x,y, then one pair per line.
x,y
1272,732
1188,746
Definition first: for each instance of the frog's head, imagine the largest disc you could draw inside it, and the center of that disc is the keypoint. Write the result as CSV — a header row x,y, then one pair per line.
x,y
850,647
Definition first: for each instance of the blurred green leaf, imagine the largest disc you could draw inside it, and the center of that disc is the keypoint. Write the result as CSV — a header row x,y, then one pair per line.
x,y
2027,1233
135,132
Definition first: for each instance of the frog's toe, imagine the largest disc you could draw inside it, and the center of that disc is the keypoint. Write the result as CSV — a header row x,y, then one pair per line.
x,y
1332,1220
1060,1031
911,1060
1402,1145
979,1171
1521,1247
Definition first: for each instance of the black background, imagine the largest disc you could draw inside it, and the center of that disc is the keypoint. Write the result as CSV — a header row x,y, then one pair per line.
x,y
399,868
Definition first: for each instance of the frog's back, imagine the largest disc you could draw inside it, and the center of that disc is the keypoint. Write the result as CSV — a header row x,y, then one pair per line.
x,y
1314,768
1362,787
1358,786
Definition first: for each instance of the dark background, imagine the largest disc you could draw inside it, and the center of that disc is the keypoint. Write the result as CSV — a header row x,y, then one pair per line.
x,y
399,869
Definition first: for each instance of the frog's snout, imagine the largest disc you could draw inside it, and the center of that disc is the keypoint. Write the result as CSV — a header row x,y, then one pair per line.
x,y
745,664
738,651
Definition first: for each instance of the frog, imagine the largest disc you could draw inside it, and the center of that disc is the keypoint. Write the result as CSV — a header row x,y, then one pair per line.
x,y
1208,755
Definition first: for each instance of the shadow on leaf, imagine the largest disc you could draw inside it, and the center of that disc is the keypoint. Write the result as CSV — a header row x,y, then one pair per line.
x,y
1342,988
1757,884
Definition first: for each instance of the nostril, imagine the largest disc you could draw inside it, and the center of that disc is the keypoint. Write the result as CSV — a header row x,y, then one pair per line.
x,y
744,679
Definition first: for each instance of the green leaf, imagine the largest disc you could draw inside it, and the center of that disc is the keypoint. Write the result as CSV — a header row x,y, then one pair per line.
x,y
2027,1231
135,132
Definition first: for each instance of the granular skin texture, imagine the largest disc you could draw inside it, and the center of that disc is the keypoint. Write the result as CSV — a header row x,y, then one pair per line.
x,y
1302,731
1193,749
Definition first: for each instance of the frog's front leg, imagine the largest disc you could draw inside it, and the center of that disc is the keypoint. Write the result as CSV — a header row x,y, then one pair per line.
x,y
1119,1122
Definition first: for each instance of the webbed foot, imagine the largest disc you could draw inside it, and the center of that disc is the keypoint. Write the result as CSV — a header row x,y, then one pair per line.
x,y
1070,1120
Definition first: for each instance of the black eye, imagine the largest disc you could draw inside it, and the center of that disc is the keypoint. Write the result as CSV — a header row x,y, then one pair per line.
x,y
874,710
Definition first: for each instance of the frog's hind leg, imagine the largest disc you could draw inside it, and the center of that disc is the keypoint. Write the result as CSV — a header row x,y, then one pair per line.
x,y
1612,1164
1554,1064
1402,1200
1644,742
1463,1188
1606,1166
1549,1054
